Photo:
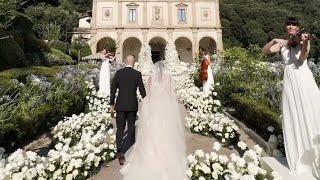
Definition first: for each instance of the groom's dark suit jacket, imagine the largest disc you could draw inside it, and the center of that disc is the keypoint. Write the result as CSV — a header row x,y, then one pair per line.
x,y
127,80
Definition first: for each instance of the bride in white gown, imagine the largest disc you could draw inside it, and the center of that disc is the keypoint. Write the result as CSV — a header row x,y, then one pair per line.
x,y
300,103
159,152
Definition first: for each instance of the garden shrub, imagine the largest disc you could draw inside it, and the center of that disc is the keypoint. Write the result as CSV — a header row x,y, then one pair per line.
x,y
11,54
22,22
57,58
62,46
84,50
255,115
38,108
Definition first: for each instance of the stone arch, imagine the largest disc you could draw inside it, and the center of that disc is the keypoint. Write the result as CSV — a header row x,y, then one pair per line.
x,y
131,45
184,48
158,45
208,43
108,43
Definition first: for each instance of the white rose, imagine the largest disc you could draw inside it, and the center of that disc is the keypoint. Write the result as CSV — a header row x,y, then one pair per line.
x,y
242,145
52,167
216,146
252,169
270,128
75,173
112,154
69,177
189,173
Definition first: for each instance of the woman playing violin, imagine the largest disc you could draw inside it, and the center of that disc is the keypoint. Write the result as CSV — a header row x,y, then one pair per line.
x,y
300,101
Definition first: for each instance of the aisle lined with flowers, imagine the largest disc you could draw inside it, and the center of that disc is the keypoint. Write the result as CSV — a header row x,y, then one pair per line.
x,y
194,142
84,143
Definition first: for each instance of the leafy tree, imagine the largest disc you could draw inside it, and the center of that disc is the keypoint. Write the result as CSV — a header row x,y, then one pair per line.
x,y
246,22
52,22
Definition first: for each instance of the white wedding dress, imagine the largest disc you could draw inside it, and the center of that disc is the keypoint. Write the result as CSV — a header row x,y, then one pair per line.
x,y
104,78
206,85
159,152
301,114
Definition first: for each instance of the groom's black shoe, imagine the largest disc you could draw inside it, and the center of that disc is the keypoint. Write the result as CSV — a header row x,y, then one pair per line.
x,y
121,159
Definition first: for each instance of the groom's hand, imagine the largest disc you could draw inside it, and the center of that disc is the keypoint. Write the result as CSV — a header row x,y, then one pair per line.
x,y
112,107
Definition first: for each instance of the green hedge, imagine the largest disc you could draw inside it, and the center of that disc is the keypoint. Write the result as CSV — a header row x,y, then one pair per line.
x,y
6,76
22,22
255,115
11,54
31,117
57,58
62,46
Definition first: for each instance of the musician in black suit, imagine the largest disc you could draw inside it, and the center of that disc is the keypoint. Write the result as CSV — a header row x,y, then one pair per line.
x,y
127,80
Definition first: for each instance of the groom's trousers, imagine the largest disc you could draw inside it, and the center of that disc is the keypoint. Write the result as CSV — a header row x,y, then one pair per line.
x,y
125,142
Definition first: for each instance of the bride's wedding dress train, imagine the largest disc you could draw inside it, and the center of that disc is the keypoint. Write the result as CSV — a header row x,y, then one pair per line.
x,y
159,152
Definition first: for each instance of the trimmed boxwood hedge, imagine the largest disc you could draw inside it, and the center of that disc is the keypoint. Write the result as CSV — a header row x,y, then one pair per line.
x,y
11,54
56,57
255,115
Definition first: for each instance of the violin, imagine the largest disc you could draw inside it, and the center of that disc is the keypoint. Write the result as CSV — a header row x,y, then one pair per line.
x,y
296,39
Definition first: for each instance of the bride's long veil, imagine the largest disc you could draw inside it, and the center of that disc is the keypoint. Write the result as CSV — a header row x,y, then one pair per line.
x,y
160,140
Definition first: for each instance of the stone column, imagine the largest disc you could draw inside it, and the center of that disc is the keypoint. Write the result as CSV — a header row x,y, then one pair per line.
x,y
194,18
94,15
119,14
169,13
119,50
195,44
144,36
170,34
218,29
145,14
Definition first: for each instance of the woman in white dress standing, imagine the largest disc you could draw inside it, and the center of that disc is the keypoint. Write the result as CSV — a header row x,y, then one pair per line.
x,y
300,101
206,84
159,152
104,78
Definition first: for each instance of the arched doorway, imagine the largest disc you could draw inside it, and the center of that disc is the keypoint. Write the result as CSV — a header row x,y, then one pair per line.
x,y
184,48
158,46
131,46
108,43
209,44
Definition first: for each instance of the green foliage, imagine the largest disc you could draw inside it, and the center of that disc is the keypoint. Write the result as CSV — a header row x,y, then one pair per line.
x,y
8,86
57,58
51,22
255,115
250,22
107,43
80,49
11,54
80,6
8,11
62,46
249,85
33,109
21,23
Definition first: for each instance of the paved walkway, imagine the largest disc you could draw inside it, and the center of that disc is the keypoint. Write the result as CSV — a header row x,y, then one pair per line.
x,y
194,142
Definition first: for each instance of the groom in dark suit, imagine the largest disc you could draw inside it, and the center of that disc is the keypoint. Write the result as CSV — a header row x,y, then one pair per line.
x,y
127,80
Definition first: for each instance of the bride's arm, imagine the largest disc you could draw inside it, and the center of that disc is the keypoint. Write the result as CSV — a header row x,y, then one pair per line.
x,y
273,46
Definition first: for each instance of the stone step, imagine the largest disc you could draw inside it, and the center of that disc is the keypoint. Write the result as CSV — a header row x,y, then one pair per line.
x,y
280,165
